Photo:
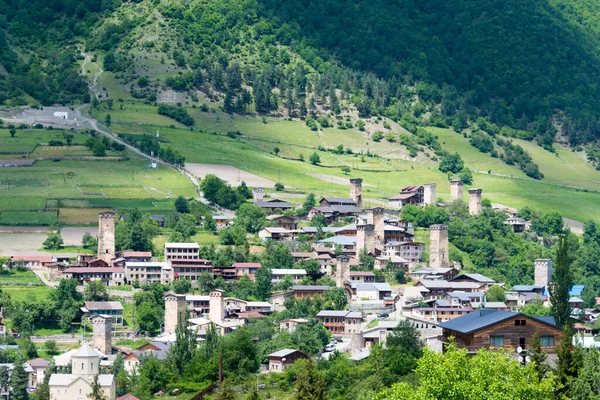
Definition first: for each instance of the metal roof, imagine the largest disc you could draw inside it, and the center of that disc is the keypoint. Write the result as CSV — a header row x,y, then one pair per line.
x,y
284,353
483,318
103,305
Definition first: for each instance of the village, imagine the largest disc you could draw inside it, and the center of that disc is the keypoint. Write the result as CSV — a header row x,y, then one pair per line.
x,y
442,302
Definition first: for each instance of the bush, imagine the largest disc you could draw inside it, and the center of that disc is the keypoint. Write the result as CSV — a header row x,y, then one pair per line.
x,y
279,187
451,163
377,136
179,114
324,122
312,124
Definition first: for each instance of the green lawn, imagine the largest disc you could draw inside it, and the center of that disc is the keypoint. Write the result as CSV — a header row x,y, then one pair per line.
x,y
27,293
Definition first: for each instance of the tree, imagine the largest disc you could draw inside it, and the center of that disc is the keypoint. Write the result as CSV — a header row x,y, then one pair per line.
x,y
456,375
538,357
568,364
90,242
110,103
466,176
406,338
99,150
346,170
182,352
209,223
561,284
4,378
95,291
50,347
96,392
182,205
495,293
276,150
263,283
309,203
18,380
315,159
309,385
12,132
225,392
312,267
451,163
587,384
53,242
107,120
279,187
182,286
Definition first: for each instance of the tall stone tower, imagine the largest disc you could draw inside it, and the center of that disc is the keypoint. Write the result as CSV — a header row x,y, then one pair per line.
x,y
438,246
543,271
175,308
217,306
342,272
106,236
258,193
365,239
102,333
356,191
475,201
429,195
375,216
456,189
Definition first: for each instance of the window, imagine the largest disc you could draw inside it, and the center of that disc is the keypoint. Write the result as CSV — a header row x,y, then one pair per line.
x,y
496,341
82,366
522,342
546,340
520,322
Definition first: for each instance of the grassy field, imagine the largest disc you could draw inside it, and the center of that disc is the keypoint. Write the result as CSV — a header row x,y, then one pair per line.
x,y
27,293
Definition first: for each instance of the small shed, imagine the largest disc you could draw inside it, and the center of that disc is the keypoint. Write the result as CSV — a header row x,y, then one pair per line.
x,y
282,359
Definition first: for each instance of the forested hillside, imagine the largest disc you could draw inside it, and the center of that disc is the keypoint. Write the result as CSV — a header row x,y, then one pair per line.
x,y
526,64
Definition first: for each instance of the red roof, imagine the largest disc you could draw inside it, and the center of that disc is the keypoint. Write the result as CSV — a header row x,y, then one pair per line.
x,y
137,254
127,397
245,265
83,270
44,259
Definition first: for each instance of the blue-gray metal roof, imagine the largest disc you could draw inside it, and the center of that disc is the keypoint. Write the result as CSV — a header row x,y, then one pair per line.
x,y
483,318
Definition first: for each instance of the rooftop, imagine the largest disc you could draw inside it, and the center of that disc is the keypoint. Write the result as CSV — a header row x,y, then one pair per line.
x,y
183,245
483,318
103,305
316,288
298,271
283,353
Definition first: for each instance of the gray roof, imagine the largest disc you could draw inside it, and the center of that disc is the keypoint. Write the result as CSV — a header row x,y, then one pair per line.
x,y
103,305
341,240
85,351
476,277
432,271
311,287
339,200
258,304
283,353
450,285
494,304
381,287
465,296
483,318
526,288
272,204
342,313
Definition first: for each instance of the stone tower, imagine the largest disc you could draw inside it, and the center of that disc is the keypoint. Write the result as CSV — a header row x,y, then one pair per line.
x,y
429,195
102,331
217,306
375,216
456,189
365,239
356,191
175,308
475,201
438,246
543,271
106,236
342,272
258,193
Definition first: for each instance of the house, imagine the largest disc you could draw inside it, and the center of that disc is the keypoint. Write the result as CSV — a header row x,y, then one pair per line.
x,y
32,262
246,269
439,288
282,359
182,251
340,322
111,308
221,221
309,291
78,384
198,305
109,276
278,275
369,291
276,233
408,195
272,205
434,273
347,243
397,262
190,268
291,324
39,367
477,278
440,311
362,276
97,263
155,348
278,299
408,250
263,307
490,329
336,201
517,224
465,299
147,272
135,256
286,222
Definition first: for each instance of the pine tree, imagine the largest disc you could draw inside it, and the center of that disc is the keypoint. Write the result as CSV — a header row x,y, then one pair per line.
x,y
310,385
182,352
561,284
587,384
18,381
538,358
253,394
96,393
569,363
225,392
